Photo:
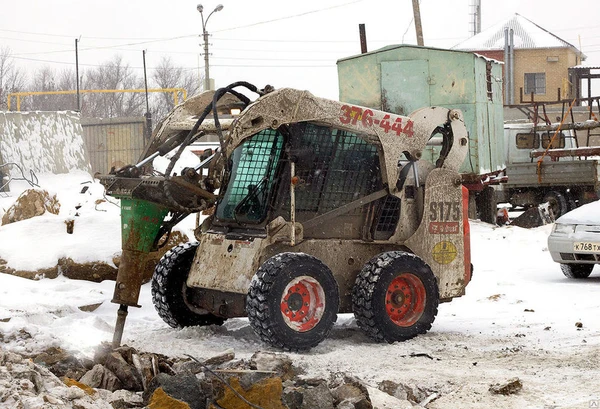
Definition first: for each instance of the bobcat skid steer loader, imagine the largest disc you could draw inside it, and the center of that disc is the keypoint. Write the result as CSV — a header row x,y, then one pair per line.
x,y
318,207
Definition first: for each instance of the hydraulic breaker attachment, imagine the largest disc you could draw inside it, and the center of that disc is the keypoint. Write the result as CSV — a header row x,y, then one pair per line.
x,y
140,224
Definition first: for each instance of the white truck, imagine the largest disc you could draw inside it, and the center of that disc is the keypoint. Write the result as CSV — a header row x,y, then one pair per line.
x,y
544,165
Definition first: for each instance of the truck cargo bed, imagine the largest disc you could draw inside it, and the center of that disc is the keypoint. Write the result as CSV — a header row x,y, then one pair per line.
x,y
566,173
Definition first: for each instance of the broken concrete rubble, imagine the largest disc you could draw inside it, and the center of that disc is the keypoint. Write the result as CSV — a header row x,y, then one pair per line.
x,y
509,387
124,378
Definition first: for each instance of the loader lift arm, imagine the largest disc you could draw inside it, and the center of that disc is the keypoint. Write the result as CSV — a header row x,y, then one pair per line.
x,y
146,201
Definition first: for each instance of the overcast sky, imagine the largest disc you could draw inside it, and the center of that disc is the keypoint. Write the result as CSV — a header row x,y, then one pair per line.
x,y
281,43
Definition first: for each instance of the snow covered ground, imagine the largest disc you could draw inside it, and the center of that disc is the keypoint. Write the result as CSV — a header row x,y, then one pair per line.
x,y
518,318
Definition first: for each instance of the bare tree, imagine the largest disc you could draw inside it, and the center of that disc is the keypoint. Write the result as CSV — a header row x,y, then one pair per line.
x,y
44,80
166,75
113,75
12,79
66,81
48,80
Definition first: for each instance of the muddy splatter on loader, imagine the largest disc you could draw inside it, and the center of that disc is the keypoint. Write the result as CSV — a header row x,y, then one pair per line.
x,y
318,208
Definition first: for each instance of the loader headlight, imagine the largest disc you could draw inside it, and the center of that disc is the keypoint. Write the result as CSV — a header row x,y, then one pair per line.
x,y
560,228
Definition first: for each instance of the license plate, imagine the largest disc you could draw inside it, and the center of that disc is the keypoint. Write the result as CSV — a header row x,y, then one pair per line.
x,y
586,246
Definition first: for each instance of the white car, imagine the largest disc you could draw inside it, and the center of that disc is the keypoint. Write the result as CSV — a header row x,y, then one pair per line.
x,y
575,240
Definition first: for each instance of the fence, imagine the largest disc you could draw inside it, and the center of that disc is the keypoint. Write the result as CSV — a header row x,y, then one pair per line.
x,y
113,142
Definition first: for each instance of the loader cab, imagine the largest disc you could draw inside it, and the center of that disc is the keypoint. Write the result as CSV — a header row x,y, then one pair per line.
x,y
333,169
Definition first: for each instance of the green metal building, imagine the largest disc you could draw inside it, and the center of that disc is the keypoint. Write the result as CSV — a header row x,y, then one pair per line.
x,y
403,78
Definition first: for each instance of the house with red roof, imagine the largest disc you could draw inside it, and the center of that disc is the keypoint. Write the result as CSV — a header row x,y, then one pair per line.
x,y
536,62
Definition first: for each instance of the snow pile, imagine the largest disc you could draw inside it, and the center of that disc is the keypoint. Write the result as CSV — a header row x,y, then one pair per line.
x,y
39,242
519,318
43,142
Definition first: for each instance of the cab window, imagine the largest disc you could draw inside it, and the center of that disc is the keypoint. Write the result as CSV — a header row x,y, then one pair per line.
x,y
558,143
528,141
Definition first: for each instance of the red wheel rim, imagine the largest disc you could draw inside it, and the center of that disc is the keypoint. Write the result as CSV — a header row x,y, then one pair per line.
x,y
303,303
405,299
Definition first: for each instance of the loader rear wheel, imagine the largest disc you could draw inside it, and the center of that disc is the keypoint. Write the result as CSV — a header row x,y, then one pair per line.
x,y
293,301
577,270
395,297
169,290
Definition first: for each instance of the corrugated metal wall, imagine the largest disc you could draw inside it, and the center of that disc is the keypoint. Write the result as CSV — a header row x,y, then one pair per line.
x,y
113,142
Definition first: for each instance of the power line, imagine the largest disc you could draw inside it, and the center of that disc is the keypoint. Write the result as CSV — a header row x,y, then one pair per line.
x,y
272,59
30,41
288,17
72,36
274,40
185,68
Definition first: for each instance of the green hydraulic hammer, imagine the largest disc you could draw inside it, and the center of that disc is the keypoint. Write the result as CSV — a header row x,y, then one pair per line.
x,y
140,224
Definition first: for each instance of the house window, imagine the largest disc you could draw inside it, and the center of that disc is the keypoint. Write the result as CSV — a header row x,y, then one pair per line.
x,y
536,83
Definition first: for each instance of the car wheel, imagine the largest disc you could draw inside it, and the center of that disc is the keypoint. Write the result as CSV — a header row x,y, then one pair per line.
x,y
577,270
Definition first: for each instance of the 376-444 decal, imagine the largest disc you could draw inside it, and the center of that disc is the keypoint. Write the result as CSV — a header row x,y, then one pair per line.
x,y
367,118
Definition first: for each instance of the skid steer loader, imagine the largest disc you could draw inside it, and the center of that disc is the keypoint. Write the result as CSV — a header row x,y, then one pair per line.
x,y
318,207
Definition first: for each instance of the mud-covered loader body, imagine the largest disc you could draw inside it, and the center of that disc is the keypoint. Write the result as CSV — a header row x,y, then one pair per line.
x,y
313,196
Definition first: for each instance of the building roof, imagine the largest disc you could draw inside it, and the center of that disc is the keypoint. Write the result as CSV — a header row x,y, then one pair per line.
x,y
527,35
399,46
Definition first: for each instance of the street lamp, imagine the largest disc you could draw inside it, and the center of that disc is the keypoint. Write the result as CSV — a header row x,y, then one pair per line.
x,y
205,35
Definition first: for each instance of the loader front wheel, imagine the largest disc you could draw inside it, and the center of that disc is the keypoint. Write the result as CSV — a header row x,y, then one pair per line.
x,y
169,290
293,301
395,297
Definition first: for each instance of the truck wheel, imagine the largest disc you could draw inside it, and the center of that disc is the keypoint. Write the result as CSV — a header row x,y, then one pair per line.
x,y
577,270
169,289
293,301
557,203
487,207
395,297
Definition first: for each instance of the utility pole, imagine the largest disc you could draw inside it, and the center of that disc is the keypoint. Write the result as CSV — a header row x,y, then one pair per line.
x,y
418,27
475,17
200,9
148,115
206,69
363,38
77,74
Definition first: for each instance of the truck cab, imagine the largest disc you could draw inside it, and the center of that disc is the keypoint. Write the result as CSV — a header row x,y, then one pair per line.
x,y
520,140
545,165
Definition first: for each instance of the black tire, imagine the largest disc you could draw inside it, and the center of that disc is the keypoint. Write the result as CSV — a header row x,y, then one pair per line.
x,y
293,301
577,270
487,206
557,203
169,289
571,203
395,297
